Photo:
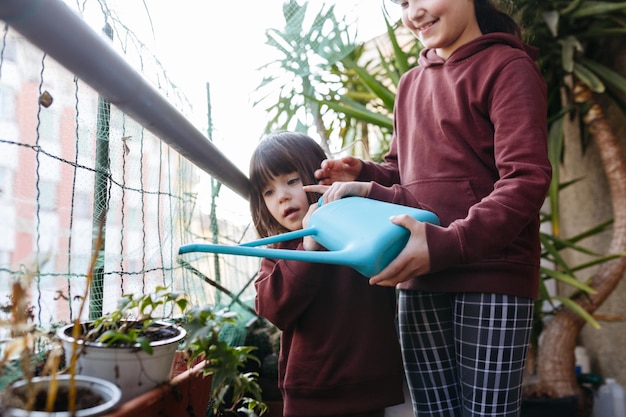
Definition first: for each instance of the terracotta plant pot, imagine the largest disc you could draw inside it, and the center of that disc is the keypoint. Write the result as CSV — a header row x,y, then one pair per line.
x,y
187,394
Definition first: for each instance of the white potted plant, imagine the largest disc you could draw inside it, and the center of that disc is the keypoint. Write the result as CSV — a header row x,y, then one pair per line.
x,y
93,397
132,346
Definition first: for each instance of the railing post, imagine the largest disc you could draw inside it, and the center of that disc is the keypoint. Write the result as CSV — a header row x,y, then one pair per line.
x,y
100,199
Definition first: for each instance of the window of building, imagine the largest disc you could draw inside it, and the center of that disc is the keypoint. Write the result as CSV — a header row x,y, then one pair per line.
x,y
47,195
7,103
5,183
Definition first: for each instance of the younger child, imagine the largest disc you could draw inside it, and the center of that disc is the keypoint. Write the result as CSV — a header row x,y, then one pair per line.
x,y
339,353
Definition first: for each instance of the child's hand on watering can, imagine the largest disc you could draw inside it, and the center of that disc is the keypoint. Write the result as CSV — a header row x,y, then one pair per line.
x,y
343,169
308,242
339,190
414,259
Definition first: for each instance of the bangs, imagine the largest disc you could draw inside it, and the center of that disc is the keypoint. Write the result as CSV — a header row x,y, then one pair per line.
x,y
278,154
263,170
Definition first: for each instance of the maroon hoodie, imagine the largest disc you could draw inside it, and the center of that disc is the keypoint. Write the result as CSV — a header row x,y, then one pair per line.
x,y
339,351
470,144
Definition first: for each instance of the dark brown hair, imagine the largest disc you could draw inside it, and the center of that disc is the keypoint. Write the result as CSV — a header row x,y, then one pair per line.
x,y
279,153
491,19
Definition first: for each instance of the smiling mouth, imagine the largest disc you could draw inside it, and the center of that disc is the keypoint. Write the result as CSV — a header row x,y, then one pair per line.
x,y
426,26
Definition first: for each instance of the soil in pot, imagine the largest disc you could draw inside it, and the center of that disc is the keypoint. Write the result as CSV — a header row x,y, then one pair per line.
x,y
94,396
85,398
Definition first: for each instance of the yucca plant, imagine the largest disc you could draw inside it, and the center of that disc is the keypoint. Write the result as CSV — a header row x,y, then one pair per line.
x,y
575,39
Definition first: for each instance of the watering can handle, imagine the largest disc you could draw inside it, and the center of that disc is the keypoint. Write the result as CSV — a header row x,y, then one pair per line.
x,y
199,247
295,234
281,238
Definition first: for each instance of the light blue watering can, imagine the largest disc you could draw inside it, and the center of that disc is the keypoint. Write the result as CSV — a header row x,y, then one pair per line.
x,y
356,231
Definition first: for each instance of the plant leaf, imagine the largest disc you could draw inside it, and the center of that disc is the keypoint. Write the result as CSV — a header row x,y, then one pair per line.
x,y
595,8
567,279
611,77
551,18
578,310
590,79
359,111
375,86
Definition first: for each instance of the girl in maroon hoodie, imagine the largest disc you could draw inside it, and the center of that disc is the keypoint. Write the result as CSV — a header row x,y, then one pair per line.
x,y
470,145
339,352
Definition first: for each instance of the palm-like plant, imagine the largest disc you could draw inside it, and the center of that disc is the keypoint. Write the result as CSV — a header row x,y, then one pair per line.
x,y
365,103
324,75
296,74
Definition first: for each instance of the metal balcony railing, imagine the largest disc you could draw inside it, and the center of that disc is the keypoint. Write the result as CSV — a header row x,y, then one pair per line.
x,y
53,27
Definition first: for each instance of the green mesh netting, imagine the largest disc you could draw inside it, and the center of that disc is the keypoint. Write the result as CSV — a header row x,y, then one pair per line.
x,y
71,163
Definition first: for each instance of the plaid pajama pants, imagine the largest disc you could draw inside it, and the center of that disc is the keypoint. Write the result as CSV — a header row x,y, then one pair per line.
x,y
464,354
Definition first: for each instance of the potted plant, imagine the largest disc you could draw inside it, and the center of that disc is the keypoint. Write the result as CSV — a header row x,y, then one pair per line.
x,y
133,346
132,327
35,359
234,389
265,337
124,347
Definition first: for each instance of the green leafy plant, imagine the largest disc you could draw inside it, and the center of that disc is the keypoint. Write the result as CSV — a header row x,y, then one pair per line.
x,y
304,47
365,102
140,319
137,320
232,390
133,321
350,95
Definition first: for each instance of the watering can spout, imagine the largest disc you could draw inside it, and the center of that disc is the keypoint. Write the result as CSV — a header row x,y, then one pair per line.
x,y
368,267
356,231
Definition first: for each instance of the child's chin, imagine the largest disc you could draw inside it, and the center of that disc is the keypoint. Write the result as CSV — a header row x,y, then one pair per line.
x,y
295,226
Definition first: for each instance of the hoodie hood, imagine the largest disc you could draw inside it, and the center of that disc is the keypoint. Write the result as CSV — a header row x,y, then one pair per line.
x,y
429,57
